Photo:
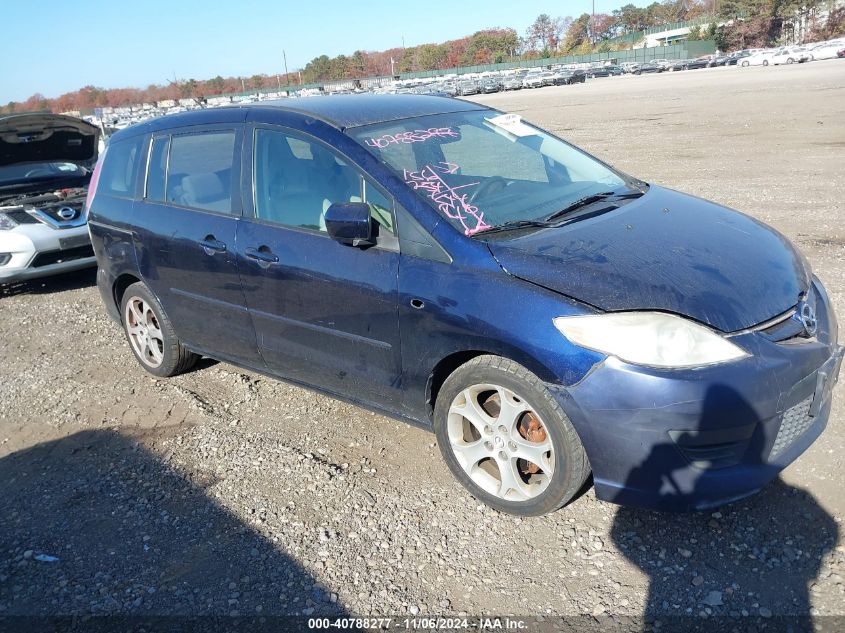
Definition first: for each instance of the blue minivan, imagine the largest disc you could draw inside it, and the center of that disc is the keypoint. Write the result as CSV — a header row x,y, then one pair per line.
x,y
550,317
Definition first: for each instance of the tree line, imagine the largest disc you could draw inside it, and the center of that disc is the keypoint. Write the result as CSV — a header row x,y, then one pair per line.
x,y
751,23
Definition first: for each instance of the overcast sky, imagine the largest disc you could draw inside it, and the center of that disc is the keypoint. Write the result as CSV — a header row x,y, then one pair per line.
x,y
57,46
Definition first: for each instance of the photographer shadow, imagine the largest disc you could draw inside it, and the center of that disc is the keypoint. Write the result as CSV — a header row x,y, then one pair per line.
x,y
95,524
745,566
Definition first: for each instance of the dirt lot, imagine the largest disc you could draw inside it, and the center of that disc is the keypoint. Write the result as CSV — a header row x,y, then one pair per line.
x,y
223,492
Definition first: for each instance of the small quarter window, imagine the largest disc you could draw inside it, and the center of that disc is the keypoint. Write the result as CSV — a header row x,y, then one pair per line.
x,y
117,177
381,207
156,171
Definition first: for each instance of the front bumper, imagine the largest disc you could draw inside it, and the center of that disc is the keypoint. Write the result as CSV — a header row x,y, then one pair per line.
x,y
37,250
695,439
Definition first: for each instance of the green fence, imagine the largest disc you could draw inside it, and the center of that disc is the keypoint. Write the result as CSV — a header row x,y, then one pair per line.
x,y
683,50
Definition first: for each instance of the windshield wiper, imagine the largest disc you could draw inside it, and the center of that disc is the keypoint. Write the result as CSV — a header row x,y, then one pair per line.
x,y
591,199
513,225
549,222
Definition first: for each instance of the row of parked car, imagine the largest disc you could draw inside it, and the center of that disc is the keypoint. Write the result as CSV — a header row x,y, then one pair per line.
x,y
829,49
497,82
489,82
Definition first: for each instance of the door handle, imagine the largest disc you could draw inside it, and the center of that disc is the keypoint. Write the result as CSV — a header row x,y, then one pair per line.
x,y
263,255
211,245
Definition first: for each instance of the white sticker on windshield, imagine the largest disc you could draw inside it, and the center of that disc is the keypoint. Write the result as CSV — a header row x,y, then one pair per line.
x,y
512,123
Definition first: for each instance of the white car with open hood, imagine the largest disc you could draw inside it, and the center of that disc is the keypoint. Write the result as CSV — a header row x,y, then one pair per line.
x,y
46,161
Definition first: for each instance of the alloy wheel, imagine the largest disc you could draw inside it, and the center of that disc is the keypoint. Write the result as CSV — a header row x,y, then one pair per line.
x,y
144,331
500,442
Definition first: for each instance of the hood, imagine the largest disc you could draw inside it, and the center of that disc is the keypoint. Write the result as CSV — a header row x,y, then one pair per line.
x,y
665,251
45,137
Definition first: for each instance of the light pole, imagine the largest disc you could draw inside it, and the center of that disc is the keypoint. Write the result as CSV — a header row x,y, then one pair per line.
x,y
285,57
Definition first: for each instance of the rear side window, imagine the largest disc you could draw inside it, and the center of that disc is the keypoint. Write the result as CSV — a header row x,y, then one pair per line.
x,y
200,171
120,168
157,171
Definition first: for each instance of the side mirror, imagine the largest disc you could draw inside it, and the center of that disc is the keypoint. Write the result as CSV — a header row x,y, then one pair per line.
x,y
350,223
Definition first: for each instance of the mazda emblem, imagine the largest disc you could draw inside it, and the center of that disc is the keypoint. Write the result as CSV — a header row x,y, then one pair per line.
x,y
808,319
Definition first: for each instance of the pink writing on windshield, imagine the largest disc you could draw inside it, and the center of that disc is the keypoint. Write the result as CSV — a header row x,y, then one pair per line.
x,y
414,136
449,200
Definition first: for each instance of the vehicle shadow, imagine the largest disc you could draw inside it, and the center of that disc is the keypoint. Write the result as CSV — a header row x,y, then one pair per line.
x,y
55,283
95,524
744,566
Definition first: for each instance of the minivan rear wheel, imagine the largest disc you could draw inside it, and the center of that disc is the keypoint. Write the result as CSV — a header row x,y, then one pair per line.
x,y
150,334
506,439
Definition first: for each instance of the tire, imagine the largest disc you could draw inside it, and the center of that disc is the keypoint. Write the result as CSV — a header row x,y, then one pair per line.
x,y
483,453
789,60
765,62
150,334
744,64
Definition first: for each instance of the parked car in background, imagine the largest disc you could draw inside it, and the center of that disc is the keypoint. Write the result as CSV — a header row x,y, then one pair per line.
x,y
45,167
790,55
825,50
840,53
663,63
609,70
760,58
648,67
514,82
489,85
682,353
700,62
568,76
628,67
533,80
468,87
547,78
738,56
449,89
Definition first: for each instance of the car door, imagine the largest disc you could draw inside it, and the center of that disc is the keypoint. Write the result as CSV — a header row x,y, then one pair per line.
x,y
325,313
186,225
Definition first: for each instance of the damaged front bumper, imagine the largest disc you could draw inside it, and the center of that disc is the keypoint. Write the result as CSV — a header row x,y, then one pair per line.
x,y
695,439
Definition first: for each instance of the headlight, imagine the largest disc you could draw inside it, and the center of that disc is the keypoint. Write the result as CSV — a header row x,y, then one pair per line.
x,y
650,338
6,222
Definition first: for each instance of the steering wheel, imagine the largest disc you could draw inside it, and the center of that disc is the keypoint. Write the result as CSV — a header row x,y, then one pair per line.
x,y
491,185
32,173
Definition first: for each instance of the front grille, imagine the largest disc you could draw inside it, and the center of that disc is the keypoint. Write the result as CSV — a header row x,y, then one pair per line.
x,y
795,421
22,217
785,330
48,258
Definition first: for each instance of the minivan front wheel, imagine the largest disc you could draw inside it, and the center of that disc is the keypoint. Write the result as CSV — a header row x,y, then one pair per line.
x,y
150,334
506,439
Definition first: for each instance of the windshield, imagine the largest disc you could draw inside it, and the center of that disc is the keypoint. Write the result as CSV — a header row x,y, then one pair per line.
x,y
482,169
30,172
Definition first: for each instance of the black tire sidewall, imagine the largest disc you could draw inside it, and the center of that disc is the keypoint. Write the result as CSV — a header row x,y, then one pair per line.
x,y
170,351
553,418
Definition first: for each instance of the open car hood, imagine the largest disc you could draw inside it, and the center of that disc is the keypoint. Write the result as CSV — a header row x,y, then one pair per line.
x,y
665,251
45,137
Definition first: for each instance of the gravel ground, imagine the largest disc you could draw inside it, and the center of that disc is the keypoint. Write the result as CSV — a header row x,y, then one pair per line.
x,y
222,492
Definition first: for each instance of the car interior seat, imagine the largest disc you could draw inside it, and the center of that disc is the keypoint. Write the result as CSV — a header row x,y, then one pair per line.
x,y
205,191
